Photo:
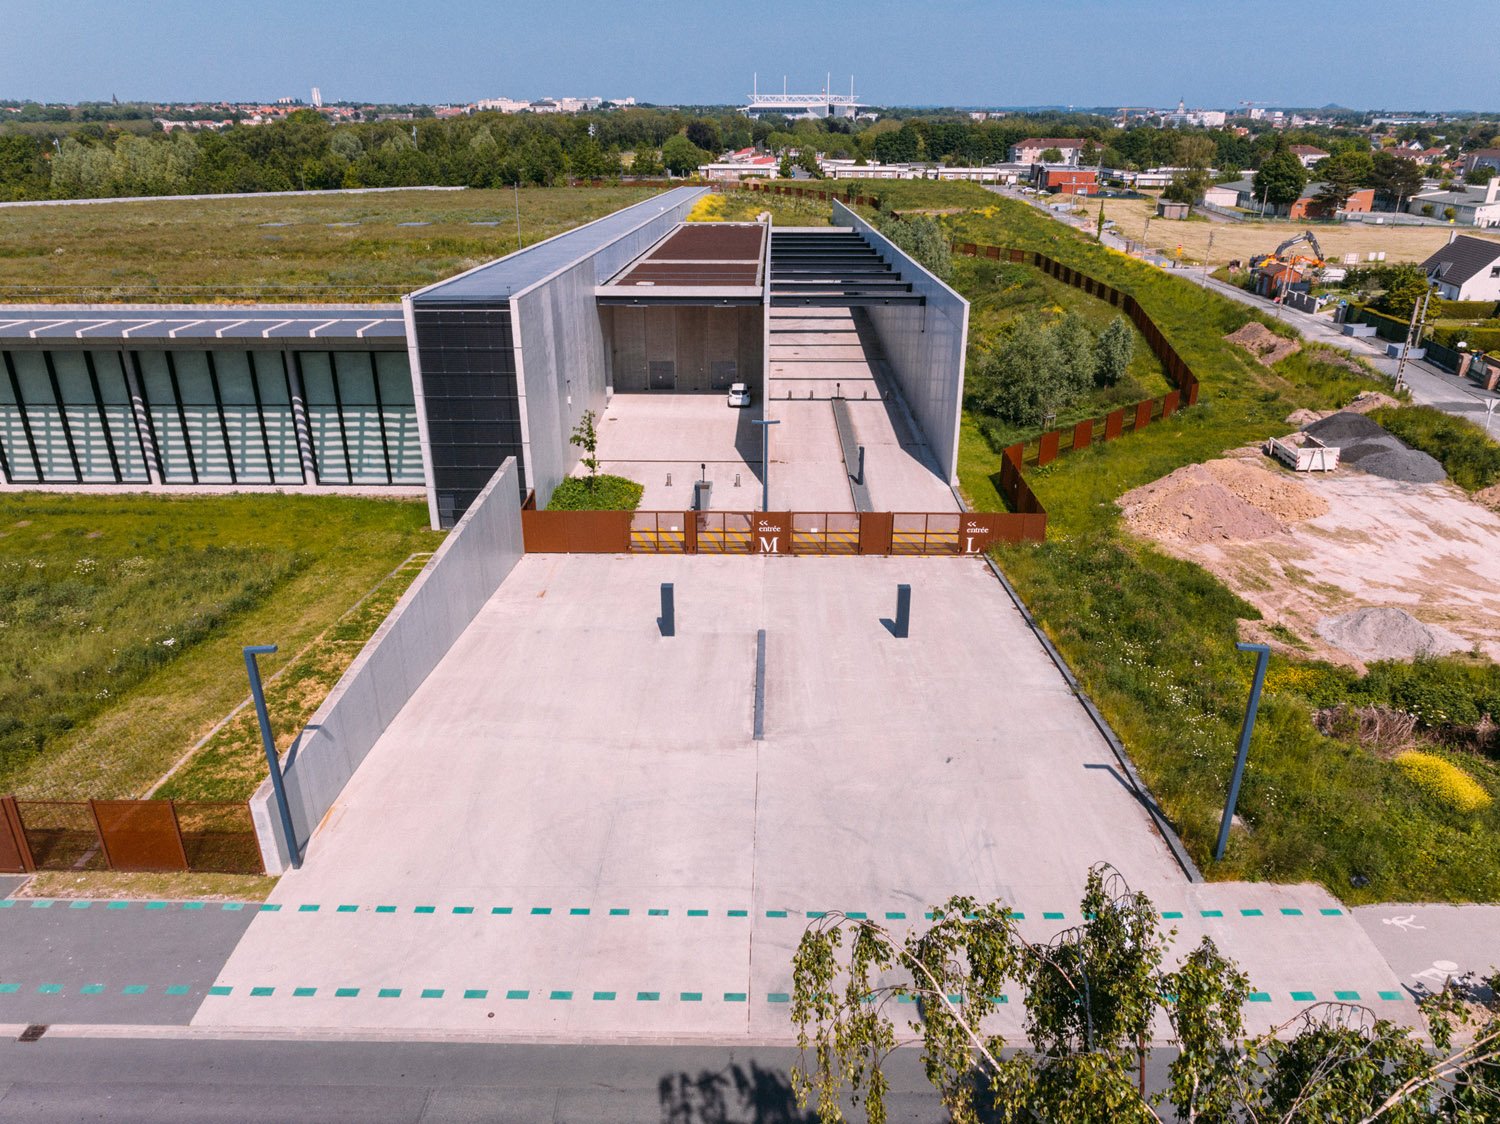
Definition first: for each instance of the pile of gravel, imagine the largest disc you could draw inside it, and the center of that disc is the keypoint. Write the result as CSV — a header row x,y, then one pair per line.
x,y
1365,445
1387,633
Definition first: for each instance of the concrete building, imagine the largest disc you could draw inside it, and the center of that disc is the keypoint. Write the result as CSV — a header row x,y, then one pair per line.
x,y
436,393
823,104
1470,206
1483,158
1030,151
1306,154
1466,269
1064,180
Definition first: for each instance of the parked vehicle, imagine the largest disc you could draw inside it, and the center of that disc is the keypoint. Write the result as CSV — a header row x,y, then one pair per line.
x,y
739,394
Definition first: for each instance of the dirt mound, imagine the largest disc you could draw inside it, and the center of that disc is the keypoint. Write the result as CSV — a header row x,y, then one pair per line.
x,y
1366,446
1367,400
1336,359
1387,633
1264,344
1300,418
1222,500
1490,497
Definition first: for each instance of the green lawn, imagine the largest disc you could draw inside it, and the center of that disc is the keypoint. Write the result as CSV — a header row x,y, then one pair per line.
x,y
1152,637
122,620
319,248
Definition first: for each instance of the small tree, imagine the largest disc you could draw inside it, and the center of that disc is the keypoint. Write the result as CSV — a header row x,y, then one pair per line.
x,y
586,436
681,156
645,162
1187,186
1099,228
1116,347
1051,155
1280,179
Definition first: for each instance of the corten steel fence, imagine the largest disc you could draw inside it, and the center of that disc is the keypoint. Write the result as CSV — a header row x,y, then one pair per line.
x,y
782,532
127,835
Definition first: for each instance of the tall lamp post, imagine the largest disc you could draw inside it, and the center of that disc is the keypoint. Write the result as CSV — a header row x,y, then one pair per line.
x,y
1262,654
765,460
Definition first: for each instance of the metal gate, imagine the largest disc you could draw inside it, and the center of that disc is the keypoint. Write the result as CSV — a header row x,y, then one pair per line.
x,y
934,533
834,532
659,532
15,856
725,532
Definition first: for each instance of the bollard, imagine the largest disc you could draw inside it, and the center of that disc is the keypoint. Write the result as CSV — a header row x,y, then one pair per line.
x,y
902,622
861,478
667,622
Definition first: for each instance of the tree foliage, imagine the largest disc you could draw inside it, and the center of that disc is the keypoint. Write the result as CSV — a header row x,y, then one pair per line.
x,y
1093,995
1036,369
1405,285
1280,179
922,238
682,156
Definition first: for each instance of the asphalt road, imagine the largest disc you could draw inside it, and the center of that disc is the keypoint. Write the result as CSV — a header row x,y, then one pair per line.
x,y
112,962
198,1081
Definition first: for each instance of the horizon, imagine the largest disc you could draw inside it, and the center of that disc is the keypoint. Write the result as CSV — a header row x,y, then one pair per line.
x,y
89,51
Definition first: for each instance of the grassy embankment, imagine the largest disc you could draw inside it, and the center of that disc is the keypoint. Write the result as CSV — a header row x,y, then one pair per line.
x,y
1153,637
313,248
122,620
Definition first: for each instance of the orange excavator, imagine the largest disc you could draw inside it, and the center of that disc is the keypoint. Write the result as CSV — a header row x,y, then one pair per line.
x,y
1313,260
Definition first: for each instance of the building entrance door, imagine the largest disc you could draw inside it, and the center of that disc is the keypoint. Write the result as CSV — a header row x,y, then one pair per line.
x,y
662,375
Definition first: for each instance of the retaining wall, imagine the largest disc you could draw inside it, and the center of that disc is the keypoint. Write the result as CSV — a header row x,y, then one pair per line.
x,y
467,569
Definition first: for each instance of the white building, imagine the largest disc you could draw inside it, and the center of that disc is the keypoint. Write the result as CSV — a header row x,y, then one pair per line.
x,y
1202,118
1030,151
1473,206
1466,269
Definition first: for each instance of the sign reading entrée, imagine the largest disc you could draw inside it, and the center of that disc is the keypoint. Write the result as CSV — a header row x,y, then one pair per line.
x,y
773,532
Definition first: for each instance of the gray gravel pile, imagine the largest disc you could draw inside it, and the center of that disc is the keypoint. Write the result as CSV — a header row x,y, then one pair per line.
x,y
1365,445
1387,633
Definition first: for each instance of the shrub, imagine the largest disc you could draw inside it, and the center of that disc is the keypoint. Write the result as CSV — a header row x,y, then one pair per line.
x,y
1466,453
1116,347
598,493
1464,310
1442,780
1482,338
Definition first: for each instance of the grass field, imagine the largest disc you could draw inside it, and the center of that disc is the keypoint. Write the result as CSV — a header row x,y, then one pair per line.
x,y
314,249
1152,637
1242,240
122,620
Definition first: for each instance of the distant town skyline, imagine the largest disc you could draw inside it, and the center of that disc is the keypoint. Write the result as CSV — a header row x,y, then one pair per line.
x,y
1085,53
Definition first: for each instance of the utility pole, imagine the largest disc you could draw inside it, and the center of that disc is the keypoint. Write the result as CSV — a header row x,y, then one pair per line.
x,y
1413,337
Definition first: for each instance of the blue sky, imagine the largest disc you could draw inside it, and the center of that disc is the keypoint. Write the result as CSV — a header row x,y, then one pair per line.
x,y
945,52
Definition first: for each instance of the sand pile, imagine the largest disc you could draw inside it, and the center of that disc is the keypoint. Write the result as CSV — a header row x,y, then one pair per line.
x,y
1368,400
1366,446
1222,500
1300,418
1263,343
1387,633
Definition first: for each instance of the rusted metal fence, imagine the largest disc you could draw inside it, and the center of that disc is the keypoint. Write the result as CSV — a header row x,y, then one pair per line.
x,y
126,835
777,532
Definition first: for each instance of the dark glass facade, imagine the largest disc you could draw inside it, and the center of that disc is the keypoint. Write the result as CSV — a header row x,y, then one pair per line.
x,y
207,416
471,398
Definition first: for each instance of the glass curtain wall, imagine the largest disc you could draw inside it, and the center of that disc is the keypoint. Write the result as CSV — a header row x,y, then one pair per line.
x,y
221,416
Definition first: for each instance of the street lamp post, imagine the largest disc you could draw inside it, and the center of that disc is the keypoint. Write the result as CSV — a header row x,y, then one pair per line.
x,y
765,460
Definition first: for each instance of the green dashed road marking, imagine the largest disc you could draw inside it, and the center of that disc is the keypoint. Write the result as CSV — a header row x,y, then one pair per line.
x,y
385,909
1211,913
1171,915
266,907
1391,995
79,905
1251,913
463,909
540,910
1303,996
42,903
895,916
476,993
261,992
179,989
856,916
1349,996
1052,916
346,992
220,990
501,910
134,989
1260,997
308,908
778,997
647,996
735,997
775,913
617,912
579,911
425,909
814,914
517,994
739,913
91,989
304,992
691,997
118,905
657,912
697,913
9,988
389,993
232,907
432,993
192,906
604,996
48,989
1291,913
347,909
561,995
1331,912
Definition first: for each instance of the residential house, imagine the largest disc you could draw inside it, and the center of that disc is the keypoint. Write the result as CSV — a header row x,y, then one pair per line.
x,y
1305,207
1466,269
1221,195
1471,206
1030,151
1483,158
1307,154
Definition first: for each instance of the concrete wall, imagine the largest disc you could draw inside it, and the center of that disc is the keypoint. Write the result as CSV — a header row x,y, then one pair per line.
x,y
693,339
924,344
464,573
561,352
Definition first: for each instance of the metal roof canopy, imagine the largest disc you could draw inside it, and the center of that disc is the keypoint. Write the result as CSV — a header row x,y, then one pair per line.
x,y
706,263
26,324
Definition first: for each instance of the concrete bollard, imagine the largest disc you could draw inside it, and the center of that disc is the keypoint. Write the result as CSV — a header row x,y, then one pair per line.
x,y
667,622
